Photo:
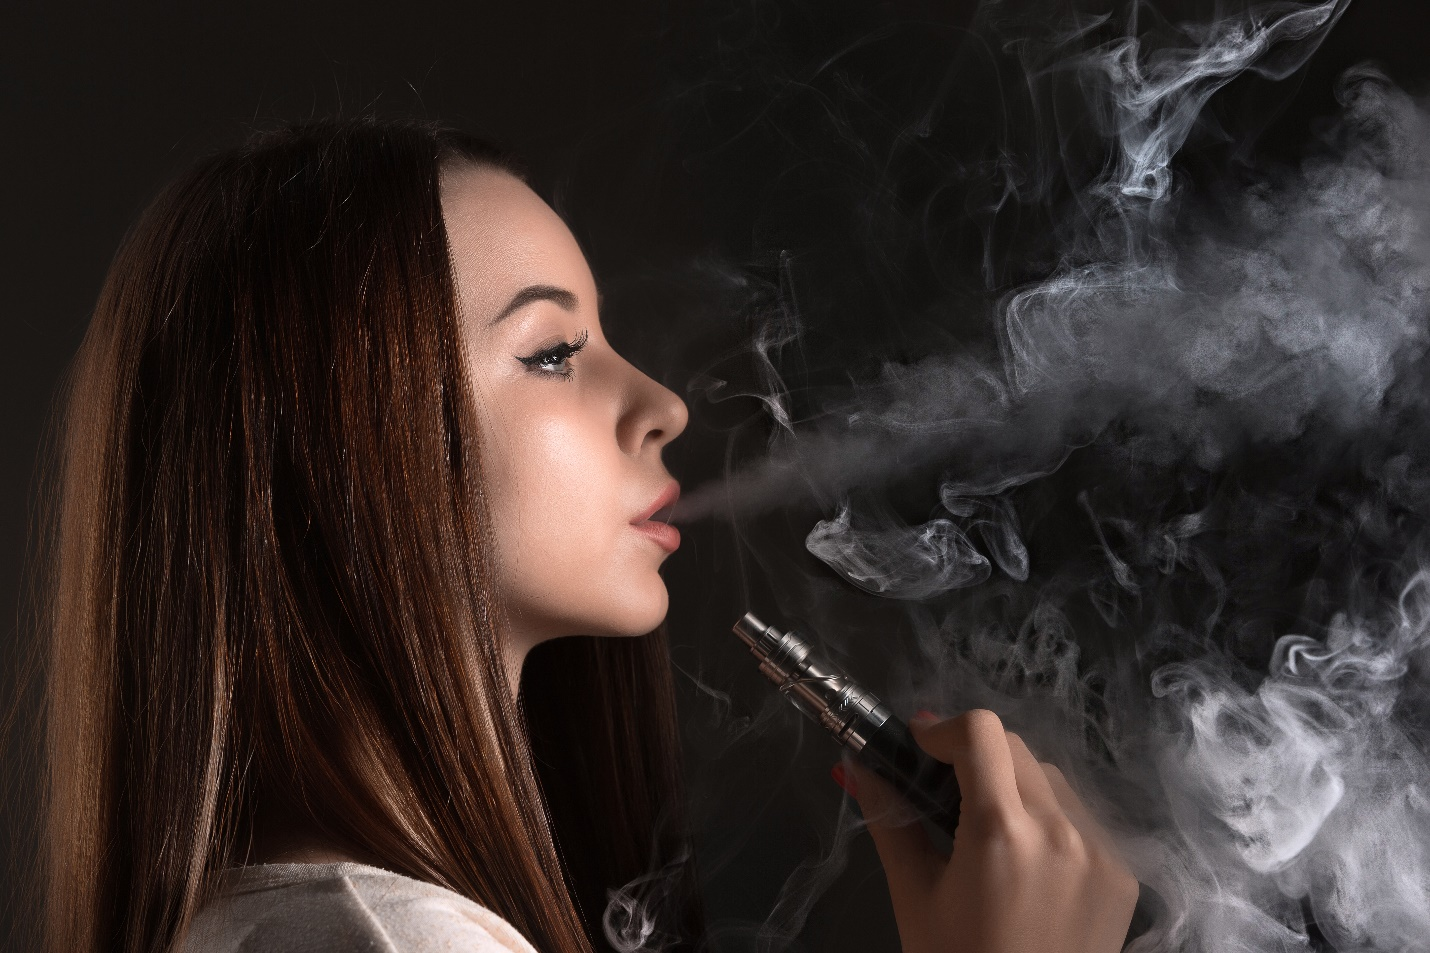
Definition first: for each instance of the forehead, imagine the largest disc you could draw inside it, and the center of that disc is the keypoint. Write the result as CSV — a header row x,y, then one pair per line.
x,y
503,237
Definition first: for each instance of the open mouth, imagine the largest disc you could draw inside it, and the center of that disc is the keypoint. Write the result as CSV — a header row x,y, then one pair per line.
x,y
654,524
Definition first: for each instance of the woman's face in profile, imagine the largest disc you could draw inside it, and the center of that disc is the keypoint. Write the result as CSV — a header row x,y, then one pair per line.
x,y
571,432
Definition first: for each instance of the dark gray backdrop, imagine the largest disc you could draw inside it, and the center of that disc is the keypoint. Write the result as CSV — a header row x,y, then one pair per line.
x,y
636,118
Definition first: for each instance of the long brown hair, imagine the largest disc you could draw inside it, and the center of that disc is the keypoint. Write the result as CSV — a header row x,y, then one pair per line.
x,y
268,579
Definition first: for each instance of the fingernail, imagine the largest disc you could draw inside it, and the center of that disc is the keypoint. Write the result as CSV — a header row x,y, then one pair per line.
x,y
843,778
924,718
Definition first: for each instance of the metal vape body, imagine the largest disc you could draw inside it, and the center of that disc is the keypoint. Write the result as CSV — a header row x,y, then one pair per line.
x,y
856,718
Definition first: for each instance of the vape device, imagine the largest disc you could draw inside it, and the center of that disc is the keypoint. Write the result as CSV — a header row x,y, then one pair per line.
x,y
856,719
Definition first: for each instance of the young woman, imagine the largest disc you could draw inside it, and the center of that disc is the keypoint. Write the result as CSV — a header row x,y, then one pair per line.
x,y
344,442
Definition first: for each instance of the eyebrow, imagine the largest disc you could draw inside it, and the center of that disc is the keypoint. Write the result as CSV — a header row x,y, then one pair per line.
x,y
558,296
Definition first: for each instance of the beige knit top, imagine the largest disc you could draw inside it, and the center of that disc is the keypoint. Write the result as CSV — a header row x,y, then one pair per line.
x,y
327,908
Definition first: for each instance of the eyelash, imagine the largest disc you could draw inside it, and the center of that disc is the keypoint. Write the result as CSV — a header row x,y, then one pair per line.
x,y
562,352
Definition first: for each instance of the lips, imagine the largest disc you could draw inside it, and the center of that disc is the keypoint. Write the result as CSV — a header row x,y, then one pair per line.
x,y
653,523
661,505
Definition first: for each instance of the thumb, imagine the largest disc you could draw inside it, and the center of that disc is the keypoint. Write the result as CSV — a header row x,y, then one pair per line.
x,y
910,863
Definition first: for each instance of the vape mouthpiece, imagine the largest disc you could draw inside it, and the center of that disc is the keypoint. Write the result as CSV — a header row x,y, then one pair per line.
x,y
855,717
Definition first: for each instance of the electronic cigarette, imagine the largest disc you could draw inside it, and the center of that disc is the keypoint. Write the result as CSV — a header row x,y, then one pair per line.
x,y
856,718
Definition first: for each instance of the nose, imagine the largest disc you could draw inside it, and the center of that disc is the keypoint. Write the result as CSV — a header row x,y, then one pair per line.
x,y
654,415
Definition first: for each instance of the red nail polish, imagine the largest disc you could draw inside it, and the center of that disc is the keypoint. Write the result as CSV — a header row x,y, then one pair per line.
x,y
842,778
924,717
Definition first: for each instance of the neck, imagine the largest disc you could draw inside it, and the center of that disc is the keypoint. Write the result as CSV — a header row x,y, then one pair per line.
x,y
516,639
513,658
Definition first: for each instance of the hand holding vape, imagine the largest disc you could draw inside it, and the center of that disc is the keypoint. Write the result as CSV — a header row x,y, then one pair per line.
x,y
856,718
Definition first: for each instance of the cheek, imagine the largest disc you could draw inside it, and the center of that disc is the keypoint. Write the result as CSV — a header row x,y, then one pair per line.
x,y
560,508
571,483
569,562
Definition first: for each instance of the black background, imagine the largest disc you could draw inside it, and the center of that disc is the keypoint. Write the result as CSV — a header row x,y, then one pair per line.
x,y
666,133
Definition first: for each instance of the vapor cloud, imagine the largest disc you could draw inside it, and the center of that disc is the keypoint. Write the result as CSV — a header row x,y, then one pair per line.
x,y
1222,394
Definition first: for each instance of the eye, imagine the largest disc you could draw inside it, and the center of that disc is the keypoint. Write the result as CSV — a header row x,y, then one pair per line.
x,y
555,359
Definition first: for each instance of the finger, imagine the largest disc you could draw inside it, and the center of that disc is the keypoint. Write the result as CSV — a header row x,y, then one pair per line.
x,y
1039,800
1073,807
910,862
977,747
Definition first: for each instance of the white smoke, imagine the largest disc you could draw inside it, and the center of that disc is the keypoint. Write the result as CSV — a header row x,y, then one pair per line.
x,y
1265,808
1301,787
1295,306
635,911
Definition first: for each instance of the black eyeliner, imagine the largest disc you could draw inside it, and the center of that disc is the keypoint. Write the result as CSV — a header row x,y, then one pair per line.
x,y
563,351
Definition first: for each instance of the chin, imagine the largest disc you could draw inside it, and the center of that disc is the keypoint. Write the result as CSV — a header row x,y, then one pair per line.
x,y
642,610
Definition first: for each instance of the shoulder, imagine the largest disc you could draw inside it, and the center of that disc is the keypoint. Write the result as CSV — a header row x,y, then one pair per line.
x,y
306,908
